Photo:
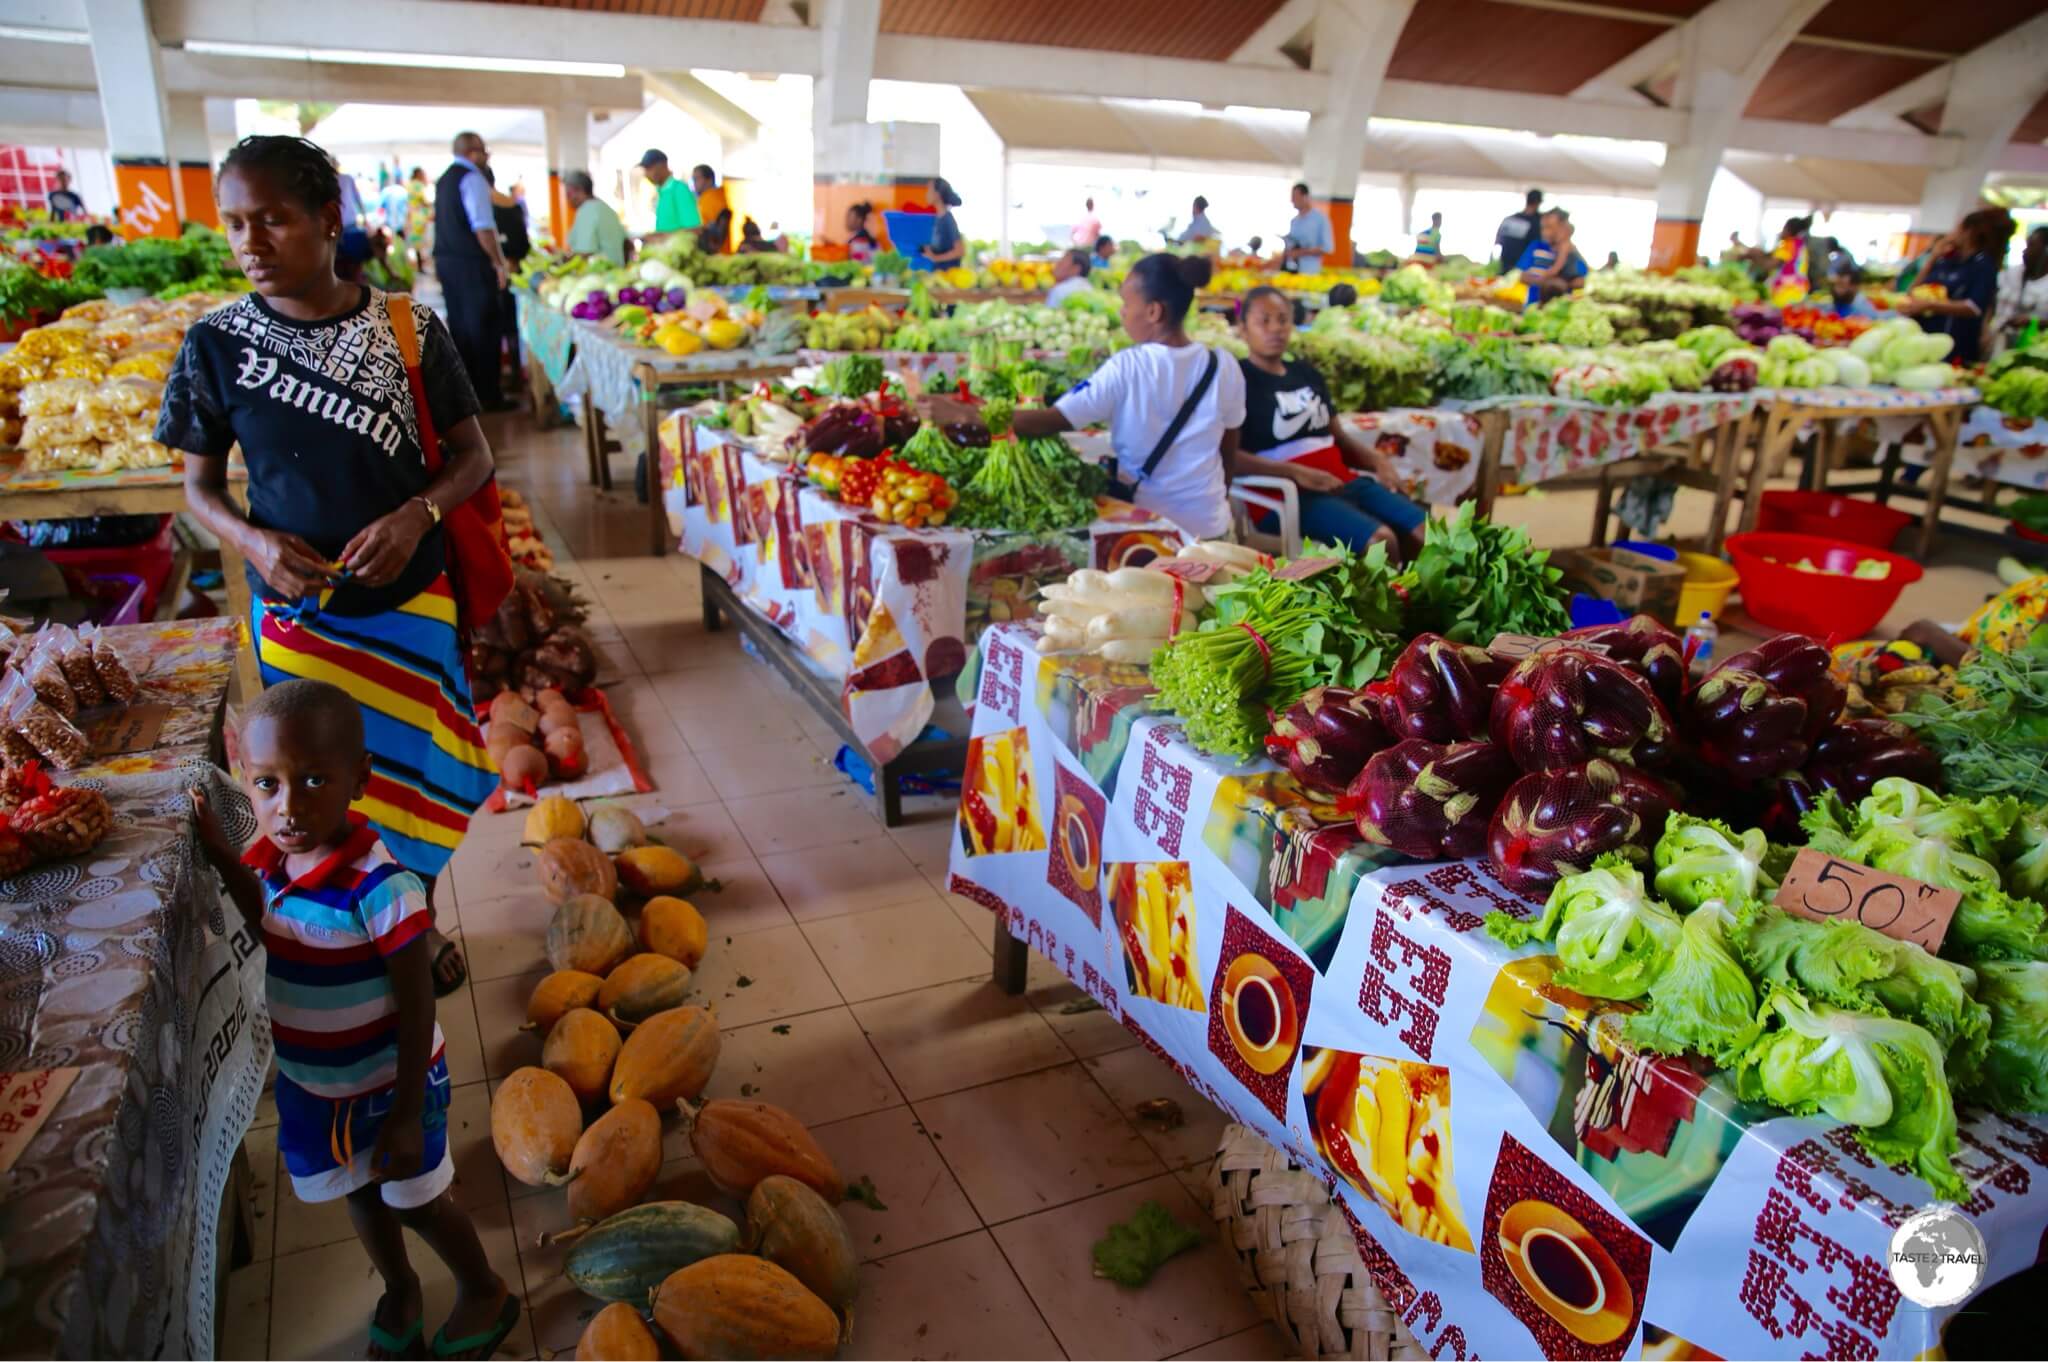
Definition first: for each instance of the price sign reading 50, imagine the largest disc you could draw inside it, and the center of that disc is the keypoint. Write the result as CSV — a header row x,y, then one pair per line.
x,y
1825,888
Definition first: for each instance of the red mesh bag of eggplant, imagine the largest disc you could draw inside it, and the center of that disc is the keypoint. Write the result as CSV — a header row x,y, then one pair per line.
x,y
1567,705
1745,727
1647,647
1442,691
1324,738
1429,800
1797,666
1554,823
1849,758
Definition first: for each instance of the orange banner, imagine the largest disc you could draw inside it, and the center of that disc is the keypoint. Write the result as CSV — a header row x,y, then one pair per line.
x,y
195,185
558,211
1673,244
144,190
1339,213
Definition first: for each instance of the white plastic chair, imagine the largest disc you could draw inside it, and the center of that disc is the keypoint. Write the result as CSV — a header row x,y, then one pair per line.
x,y
1282,497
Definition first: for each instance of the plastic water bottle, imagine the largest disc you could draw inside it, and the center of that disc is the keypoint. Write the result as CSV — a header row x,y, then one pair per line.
x,y
1700,637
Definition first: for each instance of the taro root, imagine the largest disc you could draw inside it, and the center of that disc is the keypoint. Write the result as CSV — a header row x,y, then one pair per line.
x,y
1647,647
1429,800
1851,757
1324,738
1745,726
1443,691
1800,667
1567,706
1554,823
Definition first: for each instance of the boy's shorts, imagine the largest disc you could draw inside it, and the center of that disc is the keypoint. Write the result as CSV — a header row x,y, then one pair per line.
x,y
327,1142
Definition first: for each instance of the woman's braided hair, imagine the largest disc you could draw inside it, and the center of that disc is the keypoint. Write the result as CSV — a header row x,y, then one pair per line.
x,y
297,166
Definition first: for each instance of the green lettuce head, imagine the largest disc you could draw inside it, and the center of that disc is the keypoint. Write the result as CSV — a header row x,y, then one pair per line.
x,y
1879,1074
2014,1075
1978,826
2026,853
1703,858
1612,938
1703,1002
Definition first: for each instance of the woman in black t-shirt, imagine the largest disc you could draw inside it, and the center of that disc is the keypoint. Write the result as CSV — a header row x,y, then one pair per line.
x,y
342,535
1967,267
1289,431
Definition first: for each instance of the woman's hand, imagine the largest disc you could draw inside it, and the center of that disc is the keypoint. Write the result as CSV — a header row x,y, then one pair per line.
x,y
381,549
287,562
1311,479
213,841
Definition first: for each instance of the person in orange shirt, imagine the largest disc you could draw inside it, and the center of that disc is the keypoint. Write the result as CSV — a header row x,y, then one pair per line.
x,y
715,238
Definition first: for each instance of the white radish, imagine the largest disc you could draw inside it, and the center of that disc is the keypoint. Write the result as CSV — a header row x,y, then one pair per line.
x,y
1145,622
1141,582
1137,650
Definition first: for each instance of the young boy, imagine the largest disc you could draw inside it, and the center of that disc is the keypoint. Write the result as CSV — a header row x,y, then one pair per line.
x,y
362,1088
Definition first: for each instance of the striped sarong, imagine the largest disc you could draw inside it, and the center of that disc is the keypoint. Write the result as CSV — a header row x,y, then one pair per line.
x,y
428,767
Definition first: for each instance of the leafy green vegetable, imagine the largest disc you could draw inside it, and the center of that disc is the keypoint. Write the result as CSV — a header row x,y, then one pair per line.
x,y
1491,366
1134,1249
1991,732
2021,393
26,292
1475,579
1699,859
851,375
932,451
1702,1001
2026,855
2014,1075
1268,640
1612,938
1033,485
1367,372
1879,1074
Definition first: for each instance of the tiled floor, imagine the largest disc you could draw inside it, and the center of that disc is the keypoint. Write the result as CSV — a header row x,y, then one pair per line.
x,y
851,989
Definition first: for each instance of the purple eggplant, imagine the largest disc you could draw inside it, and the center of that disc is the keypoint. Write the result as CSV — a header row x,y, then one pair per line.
x,y
1428,800
1551,824
1443,691
1325,737
1851,757
1746,727
1647,647
1567,705
1797,665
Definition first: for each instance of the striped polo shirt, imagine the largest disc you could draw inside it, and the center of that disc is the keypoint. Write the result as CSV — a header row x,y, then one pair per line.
x,y
332,1013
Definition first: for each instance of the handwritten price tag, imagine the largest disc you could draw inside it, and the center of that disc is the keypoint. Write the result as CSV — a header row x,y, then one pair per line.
x,y
1301,569
1187,569
1824,888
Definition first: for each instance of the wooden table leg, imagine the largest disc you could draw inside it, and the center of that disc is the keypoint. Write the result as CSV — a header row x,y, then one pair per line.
x,y
1493,437
1727,441
1603,505
1947,424
604,452
657,509
1773,439
235,582
593,440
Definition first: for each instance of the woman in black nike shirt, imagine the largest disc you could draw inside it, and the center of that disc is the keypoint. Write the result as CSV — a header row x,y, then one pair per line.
x,y
343,531
1289,431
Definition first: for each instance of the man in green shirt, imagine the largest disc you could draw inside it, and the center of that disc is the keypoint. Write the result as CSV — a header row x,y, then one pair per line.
x,y
675,206
594,229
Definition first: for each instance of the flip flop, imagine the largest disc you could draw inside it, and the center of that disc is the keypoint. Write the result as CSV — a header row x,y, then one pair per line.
x,y
406,1345
442,990
479,1344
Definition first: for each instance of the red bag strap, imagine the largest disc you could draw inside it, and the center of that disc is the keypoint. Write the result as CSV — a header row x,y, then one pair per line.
x,y
398,309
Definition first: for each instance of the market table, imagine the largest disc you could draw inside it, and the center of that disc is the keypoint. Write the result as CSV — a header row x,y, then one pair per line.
x,y
547,340
126,965
73,493
882,610
1517,1180
1784,413
1463,448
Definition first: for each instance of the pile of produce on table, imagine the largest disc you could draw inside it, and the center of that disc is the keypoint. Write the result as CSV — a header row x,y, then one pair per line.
x,y
619,1051
2016,382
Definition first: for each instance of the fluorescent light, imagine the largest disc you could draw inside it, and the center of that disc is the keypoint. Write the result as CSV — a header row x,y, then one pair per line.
x,y
352,57
76,37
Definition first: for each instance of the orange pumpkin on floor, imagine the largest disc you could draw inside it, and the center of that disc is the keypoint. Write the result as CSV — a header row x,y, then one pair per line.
x,y
617,1334
737,1306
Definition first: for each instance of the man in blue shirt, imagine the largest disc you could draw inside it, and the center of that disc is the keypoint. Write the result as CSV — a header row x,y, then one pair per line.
x,y
1551,265
470,263
1845,282
1309,237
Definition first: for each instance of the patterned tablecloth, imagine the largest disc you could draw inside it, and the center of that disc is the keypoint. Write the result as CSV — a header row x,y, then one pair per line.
x,y
124,965
1437,448
546,333
602,372
888,609
1517,1180
2001,448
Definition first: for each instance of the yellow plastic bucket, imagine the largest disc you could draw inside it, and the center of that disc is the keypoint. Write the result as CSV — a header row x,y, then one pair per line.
x,y
1708,583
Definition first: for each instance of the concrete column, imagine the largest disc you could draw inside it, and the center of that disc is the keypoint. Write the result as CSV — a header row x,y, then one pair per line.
x,y
1724,51
1991,91
853,160
1353,40
131,85
1404,192
568,134
191,159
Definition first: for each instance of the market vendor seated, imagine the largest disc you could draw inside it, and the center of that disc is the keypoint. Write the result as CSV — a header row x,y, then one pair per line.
x,y
1347,489
1551,266
1845,282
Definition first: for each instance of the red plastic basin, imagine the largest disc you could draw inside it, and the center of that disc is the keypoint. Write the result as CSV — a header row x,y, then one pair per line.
x,y
1831,517
1831,606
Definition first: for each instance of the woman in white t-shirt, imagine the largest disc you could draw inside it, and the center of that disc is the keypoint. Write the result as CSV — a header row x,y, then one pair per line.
x,y
1142,393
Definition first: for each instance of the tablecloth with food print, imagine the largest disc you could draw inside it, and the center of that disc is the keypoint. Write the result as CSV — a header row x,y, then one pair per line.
x,y
1996,447
127,964
1518,1181
886,609
1436,449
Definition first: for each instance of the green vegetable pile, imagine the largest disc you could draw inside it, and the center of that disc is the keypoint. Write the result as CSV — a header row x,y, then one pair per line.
x,y
1991,733
2017,382
1269,639
1031,485
27,292
1490,366
1474,579
1134,1249
852,376
1829,1018
1367,372
152,263
931,451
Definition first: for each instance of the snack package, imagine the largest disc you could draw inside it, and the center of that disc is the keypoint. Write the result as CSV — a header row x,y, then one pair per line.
x,y
135,397
53,396
76,660
46,677
59,458
14,749
55,738
115,678
54,428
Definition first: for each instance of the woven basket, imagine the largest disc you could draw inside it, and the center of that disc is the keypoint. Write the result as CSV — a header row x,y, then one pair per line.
x,y
1297,1256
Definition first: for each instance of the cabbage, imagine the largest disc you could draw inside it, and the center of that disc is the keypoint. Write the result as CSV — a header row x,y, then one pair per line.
x,y
1788,347
1703,1001
2026,866
1812,372
1851,370
1905,350
1924,377
1879,1074
1979,825
1612,938
1709,343
1867,346
2014,1075
1699,859
655,272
